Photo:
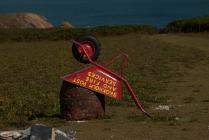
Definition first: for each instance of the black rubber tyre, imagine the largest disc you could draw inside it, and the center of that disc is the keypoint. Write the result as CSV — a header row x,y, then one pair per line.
x,y
94,43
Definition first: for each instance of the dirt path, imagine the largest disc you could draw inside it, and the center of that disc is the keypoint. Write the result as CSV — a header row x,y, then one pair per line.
x,y
186,40
187,118
187,94
190,94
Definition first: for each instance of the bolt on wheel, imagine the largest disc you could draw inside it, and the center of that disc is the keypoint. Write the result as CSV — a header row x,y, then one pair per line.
x,y
91,45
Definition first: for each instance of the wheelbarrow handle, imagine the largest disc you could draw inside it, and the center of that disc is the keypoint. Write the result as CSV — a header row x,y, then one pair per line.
x,y
123,57
135,98
132,93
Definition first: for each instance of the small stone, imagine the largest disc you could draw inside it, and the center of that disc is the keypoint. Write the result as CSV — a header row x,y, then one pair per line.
x,y
163,107
66,25
177,118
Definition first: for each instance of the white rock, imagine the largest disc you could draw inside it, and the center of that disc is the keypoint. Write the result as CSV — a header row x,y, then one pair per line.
x,y
163,107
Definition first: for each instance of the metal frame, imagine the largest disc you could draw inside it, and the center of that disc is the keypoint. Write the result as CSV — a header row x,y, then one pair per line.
x,y
119,76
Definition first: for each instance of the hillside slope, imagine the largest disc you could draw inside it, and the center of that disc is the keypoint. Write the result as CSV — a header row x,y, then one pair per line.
x,y
23,20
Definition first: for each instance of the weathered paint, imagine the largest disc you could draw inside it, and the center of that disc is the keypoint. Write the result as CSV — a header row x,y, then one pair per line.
x,y
98,80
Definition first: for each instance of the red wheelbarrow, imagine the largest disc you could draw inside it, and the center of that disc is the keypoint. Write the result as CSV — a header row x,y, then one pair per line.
x,y
98,78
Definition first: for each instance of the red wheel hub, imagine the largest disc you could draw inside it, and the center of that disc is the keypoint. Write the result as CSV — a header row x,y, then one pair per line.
x,y
89,48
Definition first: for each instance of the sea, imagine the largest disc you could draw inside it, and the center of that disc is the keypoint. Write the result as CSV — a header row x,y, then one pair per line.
x,y
89,13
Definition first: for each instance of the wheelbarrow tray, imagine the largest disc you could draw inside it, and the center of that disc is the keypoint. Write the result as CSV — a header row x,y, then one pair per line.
x,y
98,80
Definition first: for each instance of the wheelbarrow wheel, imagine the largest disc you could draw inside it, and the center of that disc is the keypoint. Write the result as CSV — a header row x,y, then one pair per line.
x,y
91,45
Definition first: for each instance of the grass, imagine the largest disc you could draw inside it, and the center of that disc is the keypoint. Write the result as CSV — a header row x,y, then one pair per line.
x,y
60,34
30,73
194,24
191,25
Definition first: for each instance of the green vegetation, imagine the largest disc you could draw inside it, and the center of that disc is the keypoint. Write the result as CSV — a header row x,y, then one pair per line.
x,y
55,34
30,73
195,24
164,69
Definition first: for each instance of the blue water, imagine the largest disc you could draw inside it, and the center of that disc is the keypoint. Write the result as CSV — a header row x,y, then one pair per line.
x,y
109,12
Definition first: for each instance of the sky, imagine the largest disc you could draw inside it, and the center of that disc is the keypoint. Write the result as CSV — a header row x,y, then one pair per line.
x,y
98,12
